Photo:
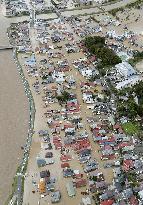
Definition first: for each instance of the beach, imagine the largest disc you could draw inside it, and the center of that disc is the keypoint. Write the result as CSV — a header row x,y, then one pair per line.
x,y
14,115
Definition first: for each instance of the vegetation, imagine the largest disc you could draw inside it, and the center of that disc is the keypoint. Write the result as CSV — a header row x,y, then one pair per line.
x,y
131,128
114,11
96,198
130,101
132,178
64,97
96,45
136,58
14,186
135,4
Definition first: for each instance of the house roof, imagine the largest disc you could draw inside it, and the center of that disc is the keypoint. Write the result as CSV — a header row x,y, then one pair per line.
x,y
107,202
127,164
133,200
42,187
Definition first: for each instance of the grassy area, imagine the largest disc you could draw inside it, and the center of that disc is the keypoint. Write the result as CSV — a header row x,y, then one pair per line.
x,y
131,128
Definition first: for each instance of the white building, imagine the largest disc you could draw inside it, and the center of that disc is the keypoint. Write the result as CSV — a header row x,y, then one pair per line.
x,y
129,82
125,69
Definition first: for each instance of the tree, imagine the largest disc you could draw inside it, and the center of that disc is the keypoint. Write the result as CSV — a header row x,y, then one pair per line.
x,y
64,97
96,45
89,41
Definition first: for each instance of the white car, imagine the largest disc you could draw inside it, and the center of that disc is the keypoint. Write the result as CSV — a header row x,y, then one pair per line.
x,y
50,161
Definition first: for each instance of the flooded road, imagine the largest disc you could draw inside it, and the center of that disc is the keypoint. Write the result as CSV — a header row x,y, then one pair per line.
x,y
14,114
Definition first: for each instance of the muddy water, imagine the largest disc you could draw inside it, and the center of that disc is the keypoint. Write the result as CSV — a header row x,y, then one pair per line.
x,y
13,115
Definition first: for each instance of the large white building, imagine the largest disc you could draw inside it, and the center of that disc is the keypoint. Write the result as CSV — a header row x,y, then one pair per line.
x,y
129,82
125,69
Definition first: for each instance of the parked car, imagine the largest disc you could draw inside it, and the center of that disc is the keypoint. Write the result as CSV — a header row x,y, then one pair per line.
x,y
49,155
50,187
84,153
85,159
65,158
64,165
91,166
67,172
108,165
50,161
49,147
43,132
46,138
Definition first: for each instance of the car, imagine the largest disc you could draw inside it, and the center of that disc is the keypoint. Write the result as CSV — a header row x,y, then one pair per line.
x,y
49,147
85,159
65,158
48,155
50,161
50,187
67,172
108,165
91,166
46,138
85,153
43,132
55,197
64,165
90,169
